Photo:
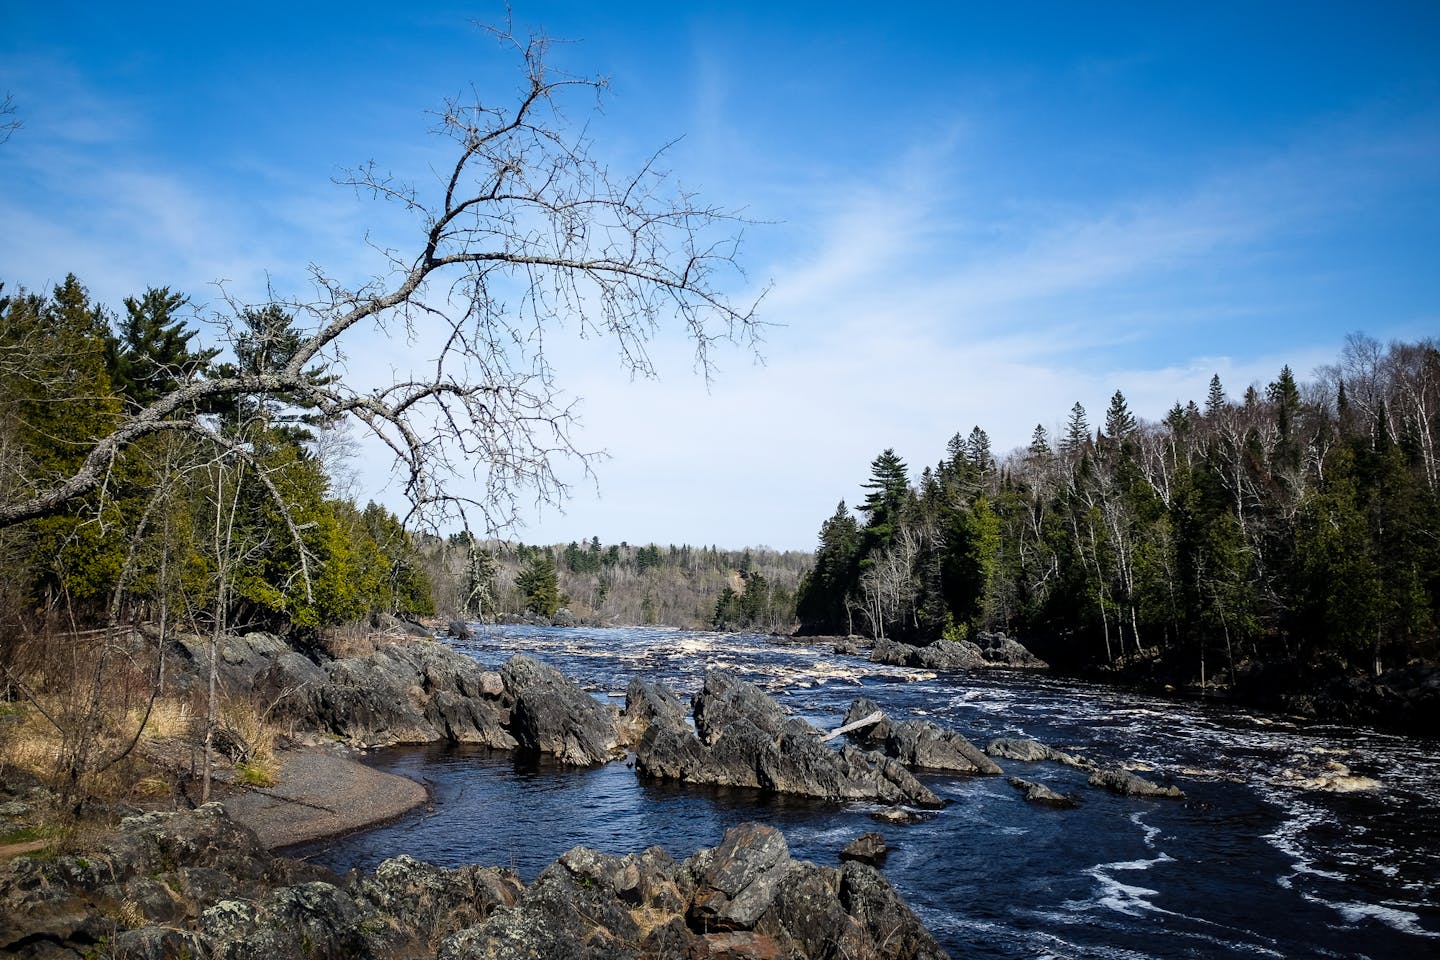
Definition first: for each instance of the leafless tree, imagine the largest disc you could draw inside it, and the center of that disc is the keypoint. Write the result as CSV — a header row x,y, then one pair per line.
x,y
527,230
9,123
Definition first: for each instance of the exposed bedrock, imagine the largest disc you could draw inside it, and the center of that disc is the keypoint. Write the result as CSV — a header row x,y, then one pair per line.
x,y
745,739
987,650
917,743
197,884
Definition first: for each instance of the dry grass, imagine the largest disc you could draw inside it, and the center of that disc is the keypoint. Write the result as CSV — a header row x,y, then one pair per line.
x,y
360,640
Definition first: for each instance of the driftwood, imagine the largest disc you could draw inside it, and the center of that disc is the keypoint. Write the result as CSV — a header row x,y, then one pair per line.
x,y
875,717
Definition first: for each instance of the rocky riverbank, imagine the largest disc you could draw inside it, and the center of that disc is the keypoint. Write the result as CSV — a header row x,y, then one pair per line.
x,y
198,884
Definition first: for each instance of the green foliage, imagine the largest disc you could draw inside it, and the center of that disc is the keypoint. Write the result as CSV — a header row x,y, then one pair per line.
x,y
1288,525
539,584
174,523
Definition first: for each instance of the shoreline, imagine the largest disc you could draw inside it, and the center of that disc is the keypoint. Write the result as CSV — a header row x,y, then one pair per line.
x,y
324,792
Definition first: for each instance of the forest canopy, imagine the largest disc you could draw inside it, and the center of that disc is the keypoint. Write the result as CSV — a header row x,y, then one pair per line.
x,y
1296,521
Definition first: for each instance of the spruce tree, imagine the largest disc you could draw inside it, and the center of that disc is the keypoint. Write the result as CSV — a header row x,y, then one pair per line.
x,y
1215,398
1119,421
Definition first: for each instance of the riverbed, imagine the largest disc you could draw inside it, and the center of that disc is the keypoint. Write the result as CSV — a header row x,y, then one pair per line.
x,y
1249,864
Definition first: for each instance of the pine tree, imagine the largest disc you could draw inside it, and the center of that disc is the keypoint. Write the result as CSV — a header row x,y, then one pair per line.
x,y
1215,400
152,353
1119,421
539,584
889,486
821,601
977,448
1077,430
1039,442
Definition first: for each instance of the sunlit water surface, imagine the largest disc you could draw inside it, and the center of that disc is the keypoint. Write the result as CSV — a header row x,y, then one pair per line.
x,y
1243,867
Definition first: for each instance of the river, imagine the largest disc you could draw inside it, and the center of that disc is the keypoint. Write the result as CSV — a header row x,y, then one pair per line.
x,y
1244,867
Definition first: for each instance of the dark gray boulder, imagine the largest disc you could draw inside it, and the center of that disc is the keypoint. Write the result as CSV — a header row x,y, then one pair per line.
x,y
940,655
460,630
737,881
868,848
760,746
1033,751
883,915
724,698
917,743
1128,784
1002,651
647,704
552,715
1041,794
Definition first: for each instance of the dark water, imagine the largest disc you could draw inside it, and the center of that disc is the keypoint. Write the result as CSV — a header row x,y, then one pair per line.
x,y
1243,867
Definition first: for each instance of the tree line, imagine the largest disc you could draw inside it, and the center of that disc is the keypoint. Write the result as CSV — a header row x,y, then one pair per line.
x,y
177,528
1297,523
692,587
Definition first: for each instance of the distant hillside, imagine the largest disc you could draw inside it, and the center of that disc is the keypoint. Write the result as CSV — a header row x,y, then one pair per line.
x,y
621,584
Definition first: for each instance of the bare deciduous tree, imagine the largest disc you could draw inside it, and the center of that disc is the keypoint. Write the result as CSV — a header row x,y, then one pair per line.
x,y
527,230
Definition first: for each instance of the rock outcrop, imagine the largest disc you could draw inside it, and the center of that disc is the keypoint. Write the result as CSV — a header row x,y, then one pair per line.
x,y
988,650
197,884
745,739
918,743
415,692
1003,651
1041,794
1033,751
940,655
1128,784
868,848
552,715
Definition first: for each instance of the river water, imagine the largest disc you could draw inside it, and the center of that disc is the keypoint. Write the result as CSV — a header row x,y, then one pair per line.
x,y
1244,867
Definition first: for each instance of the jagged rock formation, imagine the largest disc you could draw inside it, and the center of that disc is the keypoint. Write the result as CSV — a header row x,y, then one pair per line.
x,y
1130,785
1041,794
198,884
745,739
918,743
417,692
1033,751
988,650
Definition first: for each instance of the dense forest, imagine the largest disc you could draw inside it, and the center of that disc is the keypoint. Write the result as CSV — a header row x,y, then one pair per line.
x,y
618,584
1298,523
248,536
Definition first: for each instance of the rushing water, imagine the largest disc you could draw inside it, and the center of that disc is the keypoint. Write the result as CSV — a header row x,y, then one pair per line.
x,y
1243,867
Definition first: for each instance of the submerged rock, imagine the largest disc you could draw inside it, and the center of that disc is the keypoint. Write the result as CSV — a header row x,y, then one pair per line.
x,y
917,743
1330,777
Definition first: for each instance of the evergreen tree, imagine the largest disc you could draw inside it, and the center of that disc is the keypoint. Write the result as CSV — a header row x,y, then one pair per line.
x,y
821,602
1039,442
889,486
539,584
977,449
1215,399
1119,421
1077,430
153,353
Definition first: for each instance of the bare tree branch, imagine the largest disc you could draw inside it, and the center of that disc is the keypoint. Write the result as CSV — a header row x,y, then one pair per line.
x,y
527,231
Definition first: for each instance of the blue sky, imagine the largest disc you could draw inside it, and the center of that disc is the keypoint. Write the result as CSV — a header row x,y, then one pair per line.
x,y
972,215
